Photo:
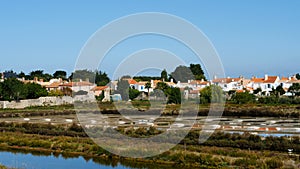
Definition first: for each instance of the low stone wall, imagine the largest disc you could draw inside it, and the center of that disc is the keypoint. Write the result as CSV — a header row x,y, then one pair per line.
x,y
45,101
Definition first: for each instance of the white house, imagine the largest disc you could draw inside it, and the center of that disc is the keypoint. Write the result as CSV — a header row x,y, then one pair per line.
x,y
77,86
267,84
228,84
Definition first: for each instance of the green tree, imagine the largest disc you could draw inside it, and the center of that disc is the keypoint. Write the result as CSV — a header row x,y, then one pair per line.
x,y
174,95
298,76
161,86
21,75
197,71
35,91
101,78
244,97
60,74
133,93
148,86
279,90
164,75
9,74
212,94
145,78
258,90
47,77
182,74
295,89
40,75
36,73
13,89
83,75
55,93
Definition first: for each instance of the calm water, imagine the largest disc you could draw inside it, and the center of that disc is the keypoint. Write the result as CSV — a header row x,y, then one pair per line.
x,y
30,161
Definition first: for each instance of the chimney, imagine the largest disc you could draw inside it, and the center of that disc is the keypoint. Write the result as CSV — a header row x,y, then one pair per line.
x,y
35,79
202,80
215,77
80,80
189,81
87,80
60,80
172,80
23,79
266,77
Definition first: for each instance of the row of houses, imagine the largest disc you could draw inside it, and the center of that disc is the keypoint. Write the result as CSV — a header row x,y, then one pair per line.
x,y
190,89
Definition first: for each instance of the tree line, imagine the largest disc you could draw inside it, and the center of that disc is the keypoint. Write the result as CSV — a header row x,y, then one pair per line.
x,y
13,89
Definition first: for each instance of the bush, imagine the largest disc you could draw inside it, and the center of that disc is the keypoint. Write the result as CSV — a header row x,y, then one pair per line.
x,y
242,98
274,163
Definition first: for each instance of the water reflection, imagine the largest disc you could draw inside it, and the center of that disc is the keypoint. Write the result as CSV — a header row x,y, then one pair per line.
x,y
48,160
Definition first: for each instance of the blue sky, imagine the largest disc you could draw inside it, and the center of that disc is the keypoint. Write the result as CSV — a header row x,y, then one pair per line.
x,y
252,37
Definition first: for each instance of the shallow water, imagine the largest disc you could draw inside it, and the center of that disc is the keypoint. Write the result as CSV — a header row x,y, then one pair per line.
x,y
30,161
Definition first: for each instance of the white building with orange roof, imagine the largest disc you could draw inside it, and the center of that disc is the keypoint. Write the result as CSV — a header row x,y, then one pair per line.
x,y
154,83
78,86
267,84
141,86
98,90
198,84
228,84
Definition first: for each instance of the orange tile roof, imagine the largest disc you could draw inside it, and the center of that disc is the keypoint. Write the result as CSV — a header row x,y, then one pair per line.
x,y
271,79
258,80
226,80
71,84
53,85
194,91
142,83
99,88
132,81
200,82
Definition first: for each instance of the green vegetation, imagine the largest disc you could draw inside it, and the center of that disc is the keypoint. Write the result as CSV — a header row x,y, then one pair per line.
x,y
212,94
13,89
60,74
188,154
295,89
145,78
98,77
242,98
164,75
184,73
197,71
